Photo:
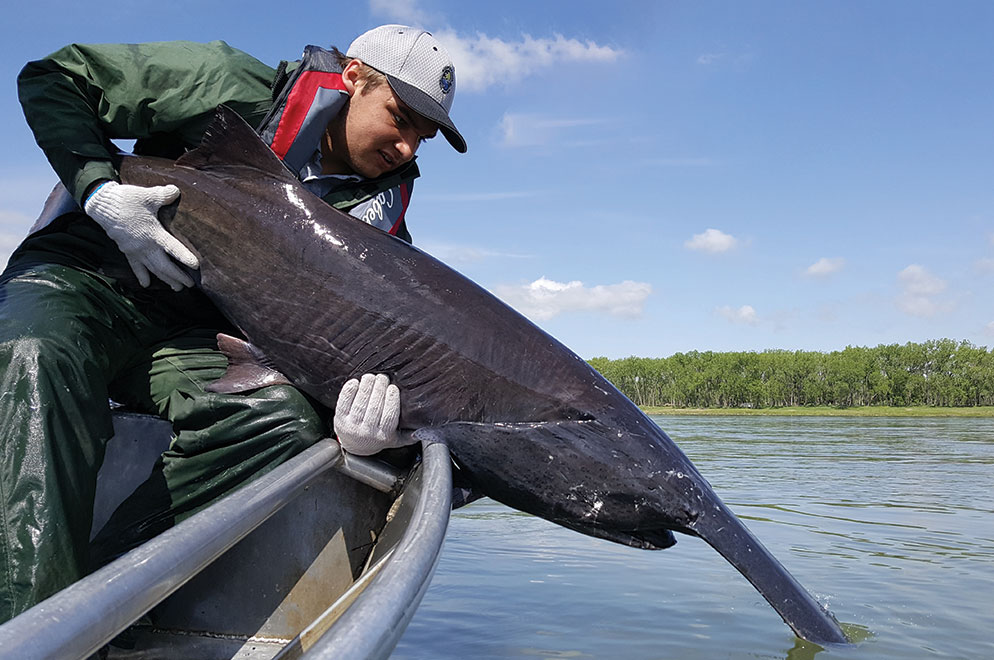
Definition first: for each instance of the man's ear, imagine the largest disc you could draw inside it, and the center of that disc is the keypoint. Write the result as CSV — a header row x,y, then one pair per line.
x,y
350,76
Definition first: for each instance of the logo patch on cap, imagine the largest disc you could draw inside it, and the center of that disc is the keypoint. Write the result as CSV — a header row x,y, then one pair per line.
x,y
445,82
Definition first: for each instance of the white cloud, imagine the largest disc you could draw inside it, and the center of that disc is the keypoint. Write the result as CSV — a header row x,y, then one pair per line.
x,y
451,253
26,193
712,240
917,305
15,221
680,162
543,299
483,61
7,244
989,329
985,265
472,197
825,267
919,289
745,314
726,60
918,281
406,12
22,197
13,228
529,130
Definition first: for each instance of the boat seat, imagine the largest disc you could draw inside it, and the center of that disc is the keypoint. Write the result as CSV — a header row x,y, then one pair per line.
x,y
138,442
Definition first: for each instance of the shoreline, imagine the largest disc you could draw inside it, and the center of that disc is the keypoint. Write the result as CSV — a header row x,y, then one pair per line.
x,y
828,411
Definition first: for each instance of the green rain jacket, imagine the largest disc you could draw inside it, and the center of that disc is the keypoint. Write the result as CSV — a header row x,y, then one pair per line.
x,y
163,95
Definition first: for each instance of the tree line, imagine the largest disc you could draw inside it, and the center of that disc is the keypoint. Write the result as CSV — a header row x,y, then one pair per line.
x,y
939,372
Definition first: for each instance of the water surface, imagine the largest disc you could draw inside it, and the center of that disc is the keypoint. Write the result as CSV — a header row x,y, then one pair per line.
x,y
889,521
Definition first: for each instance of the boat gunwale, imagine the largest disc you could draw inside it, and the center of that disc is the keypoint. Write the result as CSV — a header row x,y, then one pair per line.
x,y
79,620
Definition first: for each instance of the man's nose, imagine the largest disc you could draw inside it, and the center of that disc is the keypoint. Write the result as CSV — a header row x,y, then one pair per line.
x,y
407,145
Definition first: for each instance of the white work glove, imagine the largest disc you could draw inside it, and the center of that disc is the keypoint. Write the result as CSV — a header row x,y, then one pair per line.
x,y
128,215
368,415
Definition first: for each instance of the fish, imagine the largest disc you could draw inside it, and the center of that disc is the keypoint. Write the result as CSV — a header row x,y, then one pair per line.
x,y
321,298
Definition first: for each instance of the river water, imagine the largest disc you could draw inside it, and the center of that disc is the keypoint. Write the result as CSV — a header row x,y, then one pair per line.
x,y
888,521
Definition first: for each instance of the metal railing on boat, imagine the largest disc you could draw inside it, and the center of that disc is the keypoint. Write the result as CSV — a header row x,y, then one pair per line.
x,y
81,619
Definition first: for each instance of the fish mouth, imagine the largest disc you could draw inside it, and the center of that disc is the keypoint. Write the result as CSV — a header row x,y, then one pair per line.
x,y
659,540
643,539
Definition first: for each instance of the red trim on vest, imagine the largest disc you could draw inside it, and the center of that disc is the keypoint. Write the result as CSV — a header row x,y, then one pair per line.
x,y
405,199
298,103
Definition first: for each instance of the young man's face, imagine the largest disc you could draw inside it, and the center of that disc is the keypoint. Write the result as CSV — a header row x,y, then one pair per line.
x,y
375,133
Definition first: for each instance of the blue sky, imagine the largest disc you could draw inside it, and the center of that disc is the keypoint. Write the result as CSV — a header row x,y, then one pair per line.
x,y
651,177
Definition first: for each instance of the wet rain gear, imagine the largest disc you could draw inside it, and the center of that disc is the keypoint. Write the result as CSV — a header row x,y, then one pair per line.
x,y
76,329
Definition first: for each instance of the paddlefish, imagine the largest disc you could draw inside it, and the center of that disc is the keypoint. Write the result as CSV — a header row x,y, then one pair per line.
x,y
321,298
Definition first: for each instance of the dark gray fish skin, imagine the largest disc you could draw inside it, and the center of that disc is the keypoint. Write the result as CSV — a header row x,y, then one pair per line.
x,y
327,298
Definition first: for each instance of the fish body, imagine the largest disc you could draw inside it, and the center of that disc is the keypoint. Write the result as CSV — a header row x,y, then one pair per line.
x,y
326,298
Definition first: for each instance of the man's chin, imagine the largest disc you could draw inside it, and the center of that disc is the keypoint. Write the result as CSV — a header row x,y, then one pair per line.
x,y
369,171
375,167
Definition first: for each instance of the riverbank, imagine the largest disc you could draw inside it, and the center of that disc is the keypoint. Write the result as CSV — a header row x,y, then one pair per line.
x,y
827,411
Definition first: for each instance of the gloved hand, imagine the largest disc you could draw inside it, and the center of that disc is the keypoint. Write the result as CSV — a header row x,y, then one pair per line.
x,y
128,215
367,415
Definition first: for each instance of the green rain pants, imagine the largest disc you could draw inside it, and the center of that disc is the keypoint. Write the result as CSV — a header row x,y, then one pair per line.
x,y
71,337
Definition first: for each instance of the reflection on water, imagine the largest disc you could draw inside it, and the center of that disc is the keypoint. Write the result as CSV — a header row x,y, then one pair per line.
x,y
886,521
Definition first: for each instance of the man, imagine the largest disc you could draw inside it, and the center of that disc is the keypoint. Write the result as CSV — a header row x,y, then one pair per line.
x,y
101,305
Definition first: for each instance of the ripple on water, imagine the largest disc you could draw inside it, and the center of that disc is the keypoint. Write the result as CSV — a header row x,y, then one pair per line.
x,y
888,522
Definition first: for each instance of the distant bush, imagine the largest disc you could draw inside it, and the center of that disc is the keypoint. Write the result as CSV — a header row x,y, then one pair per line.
x,y
939,372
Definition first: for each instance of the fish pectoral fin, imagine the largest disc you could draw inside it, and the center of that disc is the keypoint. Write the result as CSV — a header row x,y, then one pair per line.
x,y
248,368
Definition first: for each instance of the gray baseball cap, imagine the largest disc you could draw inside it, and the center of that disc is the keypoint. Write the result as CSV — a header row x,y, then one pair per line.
x,y
419,70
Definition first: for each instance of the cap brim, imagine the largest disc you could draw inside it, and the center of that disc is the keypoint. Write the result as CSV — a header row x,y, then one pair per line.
x,y
428,108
